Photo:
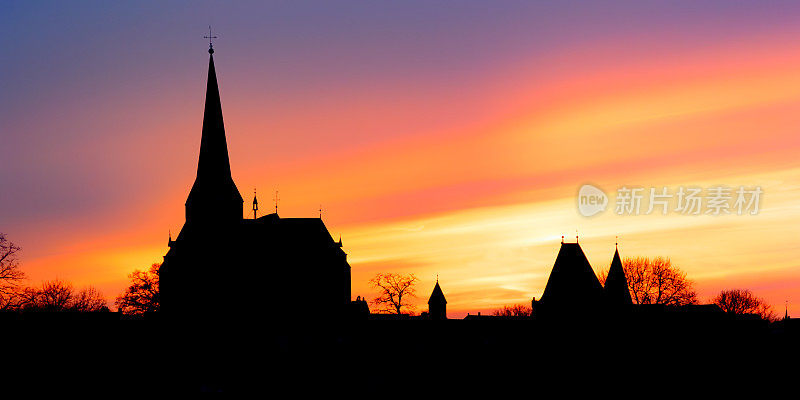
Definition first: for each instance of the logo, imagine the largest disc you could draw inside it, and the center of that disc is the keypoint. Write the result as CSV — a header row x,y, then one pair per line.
x,y
591,200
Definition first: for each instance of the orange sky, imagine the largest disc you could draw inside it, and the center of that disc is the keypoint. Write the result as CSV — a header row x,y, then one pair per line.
x,y
475,181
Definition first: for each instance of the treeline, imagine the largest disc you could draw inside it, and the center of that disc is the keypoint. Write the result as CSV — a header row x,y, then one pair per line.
x,y
50,296
142,296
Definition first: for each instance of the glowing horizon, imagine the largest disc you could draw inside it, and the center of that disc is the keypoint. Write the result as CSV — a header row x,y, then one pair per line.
x,y
455,151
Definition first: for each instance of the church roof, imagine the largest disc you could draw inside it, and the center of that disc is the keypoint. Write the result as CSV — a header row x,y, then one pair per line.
x,y
292,230
616,289
437,295
572,280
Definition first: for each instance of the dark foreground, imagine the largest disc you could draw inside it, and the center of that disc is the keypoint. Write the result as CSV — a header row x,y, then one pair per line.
x,y
263,356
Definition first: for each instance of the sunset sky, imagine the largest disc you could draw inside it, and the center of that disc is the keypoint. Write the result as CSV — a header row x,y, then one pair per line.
x,y
445,137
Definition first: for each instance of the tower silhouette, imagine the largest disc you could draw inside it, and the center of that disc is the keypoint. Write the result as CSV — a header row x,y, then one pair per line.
x,y
617,294
437,304
214,198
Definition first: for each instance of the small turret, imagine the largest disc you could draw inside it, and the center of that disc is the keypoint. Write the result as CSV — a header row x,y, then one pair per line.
x,y
255,205
437,304
616,289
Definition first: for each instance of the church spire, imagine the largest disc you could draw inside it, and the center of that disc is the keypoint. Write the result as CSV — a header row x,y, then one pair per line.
x,y
214,195
213,145
616,287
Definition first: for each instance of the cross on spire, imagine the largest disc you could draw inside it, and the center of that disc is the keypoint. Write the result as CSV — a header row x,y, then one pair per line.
x,y
209,37
275,199
320,211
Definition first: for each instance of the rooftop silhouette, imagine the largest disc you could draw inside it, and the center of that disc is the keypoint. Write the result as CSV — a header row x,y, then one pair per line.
x,y
616,287
572,286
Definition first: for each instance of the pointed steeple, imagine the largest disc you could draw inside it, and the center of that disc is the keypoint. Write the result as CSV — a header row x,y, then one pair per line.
x,y
214,196
213,145
616,288
437,294
255,204
437,304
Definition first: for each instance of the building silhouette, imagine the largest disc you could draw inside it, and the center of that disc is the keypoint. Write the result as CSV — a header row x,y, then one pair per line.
x,y
437,304
222,264
572,289
616,292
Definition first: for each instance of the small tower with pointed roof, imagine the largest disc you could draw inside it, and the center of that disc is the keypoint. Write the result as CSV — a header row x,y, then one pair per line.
x,y
437,304
786,311
616,289
255,205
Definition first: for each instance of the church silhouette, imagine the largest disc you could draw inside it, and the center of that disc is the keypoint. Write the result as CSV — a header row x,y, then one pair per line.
x,y
222,264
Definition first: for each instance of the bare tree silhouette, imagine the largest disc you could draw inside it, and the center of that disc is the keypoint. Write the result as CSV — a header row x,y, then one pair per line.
x,y
60,296
743,301
395,290
11,277
656,281
88,299
143,294
516,310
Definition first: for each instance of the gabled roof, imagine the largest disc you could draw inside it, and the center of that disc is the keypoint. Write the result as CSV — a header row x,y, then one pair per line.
x,y
572,280
616,289
309,231
437,296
